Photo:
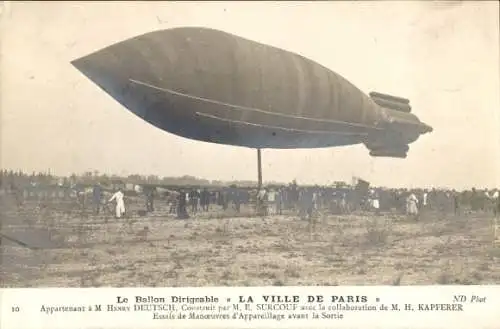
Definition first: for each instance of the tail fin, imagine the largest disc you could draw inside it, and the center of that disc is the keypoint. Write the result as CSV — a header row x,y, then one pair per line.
x,y
389,97
391,102
398,153
400,127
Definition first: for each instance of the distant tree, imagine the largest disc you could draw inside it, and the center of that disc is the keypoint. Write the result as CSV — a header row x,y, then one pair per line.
x,y
153,179
135,179
104,179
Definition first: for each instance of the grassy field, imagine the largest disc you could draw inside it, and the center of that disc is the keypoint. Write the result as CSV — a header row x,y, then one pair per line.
x,y
358,249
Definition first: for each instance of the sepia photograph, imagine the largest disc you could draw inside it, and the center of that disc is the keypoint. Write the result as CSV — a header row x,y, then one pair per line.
x,y
208,144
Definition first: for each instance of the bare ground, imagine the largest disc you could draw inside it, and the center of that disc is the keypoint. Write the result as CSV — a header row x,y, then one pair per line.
x,y
360,249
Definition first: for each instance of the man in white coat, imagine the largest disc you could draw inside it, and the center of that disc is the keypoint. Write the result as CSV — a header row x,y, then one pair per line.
x,y
120,205
495,200
412,204
271,199
376,204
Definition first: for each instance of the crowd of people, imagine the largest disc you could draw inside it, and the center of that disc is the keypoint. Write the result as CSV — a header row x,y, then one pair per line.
x,y
269,200
409,201
306,201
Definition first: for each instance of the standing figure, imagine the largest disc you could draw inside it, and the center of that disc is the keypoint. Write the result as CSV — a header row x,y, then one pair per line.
x,y
182,205
496,204
280,200
424,200
172,200
150,195
412,205
205,199
307,201
376,204
343,204
237,200
18,195
120,204
271,199
261,202
193,199
456,202
224,199
96,198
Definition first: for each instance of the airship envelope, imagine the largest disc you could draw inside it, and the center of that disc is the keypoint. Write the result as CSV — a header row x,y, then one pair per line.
x,y
213,86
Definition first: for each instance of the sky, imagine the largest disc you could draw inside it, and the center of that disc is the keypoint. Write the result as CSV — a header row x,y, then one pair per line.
x,y
443,56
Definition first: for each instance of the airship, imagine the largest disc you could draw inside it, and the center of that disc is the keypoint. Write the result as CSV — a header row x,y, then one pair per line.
x,y
213,86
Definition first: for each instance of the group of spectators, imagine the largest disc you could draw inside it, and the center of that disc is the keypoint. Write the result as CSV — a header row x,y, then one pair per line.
x,y
271,200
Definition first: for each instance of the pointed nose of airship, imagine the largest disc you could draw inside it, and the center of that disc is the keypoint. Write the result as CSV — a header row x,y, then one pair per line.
x,y
116,70
87,67
84,65
112,75
103,73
